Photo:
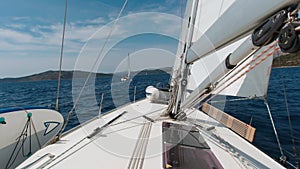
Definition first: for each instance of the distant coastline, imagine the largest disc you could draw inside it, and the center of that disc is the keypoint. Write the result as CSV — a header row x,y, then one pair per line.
x,y
65,75
281,61
289,60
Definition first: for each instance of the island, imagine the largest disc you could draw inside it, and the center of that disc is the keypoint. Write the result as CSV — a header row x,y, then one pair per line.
x,y
66,75
281,60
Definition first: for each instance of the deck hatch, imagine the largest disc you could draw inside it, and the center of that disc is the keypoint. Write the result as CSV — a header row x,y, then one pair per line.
x,y
185,148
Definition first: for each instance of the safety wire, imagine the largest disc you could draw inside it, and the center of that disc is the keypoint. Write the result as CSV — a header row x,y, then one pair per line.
x,y
92,68
295,154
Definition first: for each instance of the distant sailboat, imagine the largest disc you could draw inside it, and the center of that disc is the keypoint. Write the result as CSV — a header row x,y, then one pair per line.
x,y
127,78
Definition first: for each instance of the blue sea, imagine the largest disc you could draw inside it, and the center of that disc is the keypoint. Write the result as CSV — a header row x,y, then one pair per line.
x,y
43,93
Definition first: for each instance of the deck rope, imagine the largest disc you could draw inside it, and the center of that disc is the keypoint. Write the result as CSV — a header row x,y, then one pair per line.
x,y
139,152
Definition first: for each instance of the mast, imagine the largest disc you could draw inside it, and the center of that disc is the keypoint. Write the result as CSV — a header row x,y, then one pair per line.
x,y
129,68
61,56
182,76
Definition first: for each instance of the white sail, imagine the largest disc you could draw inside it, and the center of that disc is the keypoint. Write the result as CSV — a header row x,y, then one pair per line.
x,y
210,68
126,78
207,12
233,24
218,25
253,84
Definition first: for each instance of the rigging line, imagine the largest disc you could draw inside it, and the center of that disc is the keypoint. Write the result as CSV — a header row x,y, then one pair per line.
x,y
288,112
36,135
61,56
77,144
232,100
249,69
222,3
237,67
273,125
184,68
30,143
73,152
93,67
244,60
10,163
94,133
121,122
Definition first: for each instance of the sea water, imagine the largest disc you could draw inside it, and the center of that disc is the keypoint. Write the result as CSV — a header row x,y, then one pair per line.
x,y
284,83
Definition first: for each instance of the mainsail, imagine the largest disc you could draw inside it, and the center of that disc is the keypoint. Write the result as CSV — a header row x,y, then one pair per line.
x,y
252,84
204,48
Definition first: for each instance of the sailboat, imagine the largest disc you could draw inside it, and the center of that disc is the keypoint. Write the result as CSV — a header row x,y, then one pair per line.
x,y
188,131
126,78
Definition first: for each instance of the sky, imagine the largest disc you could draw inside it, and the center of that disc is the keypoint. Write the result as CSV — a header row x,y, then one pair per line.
x,y
31,33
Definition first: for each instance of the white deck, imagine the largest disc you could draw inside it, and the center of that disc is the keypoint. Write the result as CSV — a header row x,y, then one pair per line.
x,y
114,146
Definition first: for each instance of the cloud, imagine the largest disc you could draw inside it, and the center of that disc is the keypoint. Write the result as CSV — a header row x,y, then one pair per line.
x,y
40,42
22,18
97,21
16,26
14,36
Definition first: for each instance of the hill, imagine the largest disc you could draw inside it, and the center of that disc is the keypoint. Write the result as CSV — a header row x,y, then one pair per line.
x,y
49,75
287,60
52,75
